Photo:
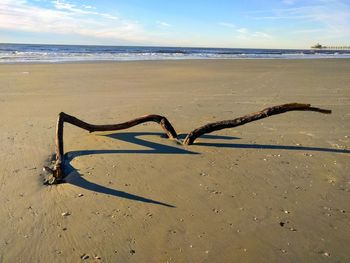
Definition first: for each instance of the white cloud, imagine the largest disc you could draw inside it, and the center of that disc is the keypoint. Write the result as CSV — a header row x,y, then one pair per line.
x,y
67,18
88,7
62,5
261,35
84,10
329,19
244,33
226,24
109,16
163,24
242,30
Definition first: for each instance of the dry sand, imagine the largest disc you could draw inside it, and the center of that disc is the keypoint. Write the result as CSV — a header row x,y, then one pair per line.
x,y
270,191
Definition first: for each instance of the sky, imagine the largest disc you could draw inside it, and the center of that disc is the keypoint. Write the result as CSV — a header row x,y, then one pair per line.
x,y
189,23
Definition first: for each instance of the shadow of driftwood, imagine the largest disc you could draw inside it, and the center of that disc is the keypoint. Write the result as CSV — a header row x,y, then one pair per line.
x,y
76,179
273,147
133,137
259,146
156,148
211,136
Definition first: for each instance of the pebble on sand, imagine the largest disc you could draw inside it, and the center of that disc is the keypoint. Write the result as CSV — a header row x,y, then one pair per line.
x,y
65,214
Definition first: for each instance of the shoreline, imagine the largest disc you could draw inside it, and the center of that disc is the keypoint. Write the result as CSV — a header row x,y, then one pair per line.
x,y
169,60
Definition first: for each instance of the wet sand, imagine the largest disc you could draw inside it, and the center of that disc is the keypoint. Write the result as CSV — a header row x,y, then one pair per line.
x,y
269,191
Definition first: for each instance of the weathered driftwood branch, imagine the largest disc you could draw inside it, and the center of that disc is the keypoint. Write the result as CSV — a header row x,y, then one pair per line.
x,y
215,126
58,173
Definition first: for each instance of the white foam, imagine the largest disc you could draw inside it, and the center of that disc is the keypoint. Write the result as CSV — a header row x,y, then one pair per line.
x,y
46,56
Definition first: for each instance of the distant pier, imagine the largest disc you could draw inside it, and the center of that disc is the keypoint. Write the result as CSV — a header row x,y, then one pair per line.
x,y
319,46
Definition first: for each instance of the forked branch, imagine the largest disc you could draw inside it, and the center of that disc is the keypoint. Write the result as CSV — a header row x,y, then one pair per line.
x,y
58,173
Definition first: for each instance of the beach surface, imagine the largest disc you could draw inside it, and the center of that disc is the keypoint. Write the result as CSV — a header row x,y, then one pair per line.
x,y
275,190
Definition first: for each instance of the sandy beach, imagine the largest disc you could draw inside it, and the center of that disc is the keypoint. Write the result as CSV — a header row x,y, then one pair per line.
x,y
276,190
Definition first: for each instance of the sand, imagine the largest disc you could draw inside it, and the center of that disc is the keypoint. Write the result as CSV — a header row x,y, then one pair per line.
x,y
270,191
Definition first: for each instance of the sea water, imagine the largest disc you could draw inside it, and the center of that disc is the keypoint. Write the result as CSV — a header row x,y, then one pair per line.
x,y
13,53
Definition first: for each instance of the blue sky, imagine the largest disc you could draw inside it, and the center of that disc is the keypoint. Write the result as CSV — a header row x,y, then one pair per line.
x,y
205,23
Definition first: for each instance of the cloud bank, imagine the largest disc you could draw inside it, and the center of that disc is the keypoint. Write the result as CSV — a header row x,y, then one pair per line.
x,y
66,18
294,24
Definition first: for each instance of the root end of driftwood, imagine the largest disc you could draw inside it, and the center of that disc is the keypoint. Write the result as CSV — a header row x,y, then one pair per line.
x,y
57,175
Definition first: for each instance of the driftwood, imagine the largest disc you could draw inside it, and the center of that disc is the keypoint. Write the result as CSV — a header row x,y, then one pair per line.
x,y
215,126
58,171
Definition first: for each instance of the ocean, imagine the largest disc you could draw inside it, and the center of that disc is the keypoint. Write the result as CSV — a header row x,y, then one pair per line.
x,y
26,53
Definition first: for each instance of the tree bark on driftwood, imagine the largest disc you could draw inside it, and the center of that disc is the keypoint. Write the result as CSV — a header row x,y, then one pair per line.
x,y
215,126
58,173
